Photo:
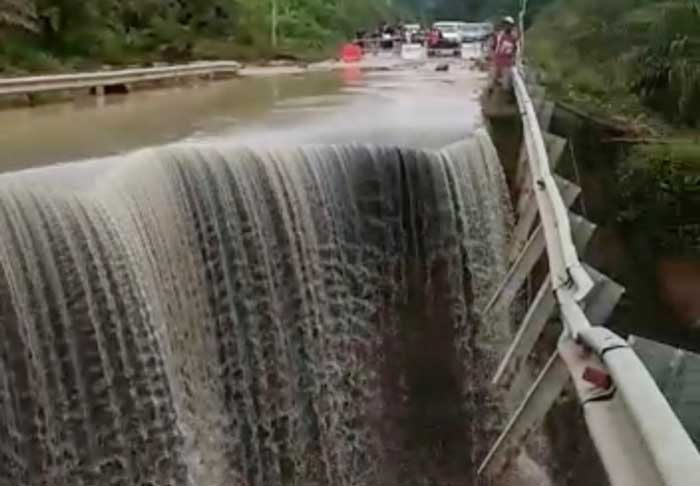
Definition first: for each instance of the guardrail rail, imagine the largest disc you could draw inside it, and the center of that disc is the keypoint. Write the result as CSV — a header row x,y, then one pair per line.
x,y
102,79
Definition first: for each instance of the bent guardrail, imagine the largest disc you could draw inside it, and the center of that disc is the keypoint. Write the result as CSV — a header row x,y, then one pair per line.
x,y
568,275
638,437
65,82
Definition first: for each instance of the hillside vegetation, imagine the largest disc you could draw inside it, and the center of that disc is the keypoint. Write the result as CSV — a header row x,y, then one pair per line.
x,y
50,35
636,62
621,53
46,35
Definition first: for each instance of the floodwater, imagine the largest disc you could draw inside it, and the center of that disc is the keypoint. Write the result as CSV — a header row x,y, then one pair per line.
x,y
414,106
238,309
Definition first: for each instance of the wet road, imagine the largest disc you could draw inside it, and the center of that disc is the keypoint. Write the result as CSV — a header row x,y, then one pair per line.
x,y
413,106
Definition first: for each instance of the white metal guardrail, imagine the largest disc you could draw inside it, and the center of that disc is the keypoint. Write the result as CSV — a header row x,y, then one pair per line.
x,y
642,411
569,277
640,440
61,82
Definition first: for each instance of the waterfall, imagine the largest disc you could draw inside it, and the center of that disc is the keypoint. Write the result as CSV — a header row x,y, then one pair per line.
x,y
214,315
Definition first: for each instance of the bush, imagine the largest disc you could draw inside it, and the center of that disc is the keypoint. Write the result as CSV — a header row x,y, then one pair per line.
x,y
120,32
661,194
23,55
611,48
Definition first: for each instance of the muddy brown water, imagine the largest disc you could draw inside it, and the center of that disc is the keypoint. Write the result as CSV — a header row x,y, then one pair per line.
x,y
414,106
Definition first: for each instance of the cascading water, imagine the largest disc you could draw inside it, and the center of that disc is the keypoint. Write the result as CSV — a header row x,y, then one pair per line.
x,y
213,316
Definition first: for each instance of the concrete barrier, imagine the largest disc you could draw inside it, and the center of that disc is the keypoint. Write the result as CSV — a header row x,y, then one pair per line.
x,y
472,50
414,52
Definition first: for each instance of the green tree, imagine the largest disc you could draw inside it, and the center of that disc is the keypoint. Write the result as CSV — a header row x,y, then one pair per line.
x,y
644,48
121,30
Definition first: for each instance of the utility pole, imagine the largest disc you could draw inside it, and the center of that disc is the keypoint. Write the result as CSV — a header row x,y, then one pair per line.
x,y
273,27
521,27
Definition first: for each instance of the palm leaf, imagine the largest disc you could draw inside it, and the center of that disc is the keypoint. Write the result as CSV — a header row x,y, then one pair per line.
x,y
19,14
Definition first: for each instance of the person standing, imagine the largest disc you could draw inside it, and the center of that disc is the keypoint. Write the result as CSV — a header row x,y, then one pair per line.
x,y
504,49
434,38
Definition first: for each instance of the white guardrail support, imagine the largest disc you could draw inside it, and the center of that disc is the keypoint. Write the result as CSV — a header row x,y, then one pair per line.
x,y
60,82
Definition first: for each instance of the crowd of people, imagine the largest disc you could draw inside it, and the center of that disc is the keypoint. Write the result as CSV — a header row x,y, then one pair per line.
x,y
387,35
391,33
384,35
501,46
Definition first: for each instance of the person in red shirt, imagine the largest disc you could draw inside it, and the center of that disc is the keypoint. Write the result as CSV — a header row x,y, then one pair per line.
x,y
504,49
434,38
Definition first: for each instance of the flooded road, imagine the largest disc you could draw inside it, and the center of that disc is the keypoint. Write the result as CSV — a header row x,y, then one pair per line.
x,y
214,312
413,106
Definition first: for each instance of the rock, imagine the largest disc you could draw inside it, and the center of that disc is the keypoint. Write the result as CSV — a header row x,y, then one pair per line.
x,y
679,288
525,472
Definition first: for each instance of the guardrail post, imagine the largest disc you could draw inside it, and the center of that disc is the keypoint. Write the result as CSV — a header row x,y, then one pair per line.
x,y
528,257
100,96
538,401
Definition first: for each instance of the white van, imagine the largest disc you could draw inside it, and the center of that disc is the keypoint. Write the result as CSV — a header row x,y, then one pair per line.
x,y
464,32
476,32
451,31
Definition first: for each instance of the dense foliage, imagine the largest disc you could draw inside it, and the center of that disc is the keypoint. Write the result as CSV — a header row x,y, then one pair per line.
x,y
56,34
638,59
475,10
36,33
647,49
660,195
18,14
60,34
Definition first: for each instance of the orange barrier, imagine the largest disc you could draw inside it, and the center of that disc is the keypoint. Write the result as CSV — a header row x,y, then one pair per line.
x,y
351,53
